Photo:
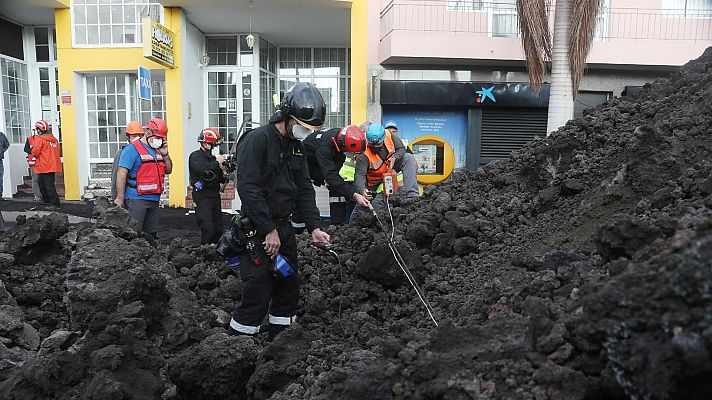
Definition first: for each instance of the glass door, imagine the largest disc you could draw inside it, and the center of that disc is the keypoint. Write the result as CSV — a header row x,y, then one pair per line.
x,y
229,102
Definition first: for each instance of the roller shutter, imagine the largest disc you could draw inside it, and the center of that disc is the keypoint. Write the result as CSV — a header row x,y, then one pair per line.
x,y
505,130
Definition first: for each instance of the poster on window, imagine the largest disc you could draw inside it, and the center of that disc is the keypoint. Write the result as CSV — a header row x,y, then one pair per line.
x,y
450,125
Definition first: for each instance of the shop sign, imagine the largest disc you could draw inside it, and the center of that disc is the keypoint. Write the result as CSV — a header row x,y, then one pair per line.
x,y
144,83
158,43
66,98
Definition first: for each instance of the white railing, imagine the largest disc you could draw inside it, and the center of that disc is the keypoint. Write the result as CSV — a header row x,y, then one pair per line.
x,y
499,19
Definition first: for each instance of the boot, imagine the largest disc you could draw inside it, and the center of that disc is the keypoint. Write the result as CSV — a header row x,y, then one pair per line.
x,y
273,330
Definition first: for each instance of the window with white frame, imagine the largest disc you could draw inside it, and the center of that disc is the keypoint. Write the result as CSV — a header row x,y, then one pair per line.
x,y
505,20
464,5
111,22
156,107
327,69
108,100
268,78
603,21
688,8
16,100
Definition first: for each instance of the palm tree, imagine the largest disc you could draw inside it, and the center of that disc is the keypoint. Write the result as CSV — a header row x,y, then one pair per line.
x,y
574,27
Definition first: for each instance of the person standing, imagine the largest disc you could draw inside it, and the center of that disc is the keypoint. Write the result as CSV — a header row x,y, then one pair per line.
x,y
139,181
273,183
31,161
4,145
134,131
46,150
206,175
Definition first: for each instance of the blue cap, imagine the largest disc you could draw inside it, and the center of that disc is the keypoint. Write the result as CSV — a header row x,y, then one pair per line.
x,y
391,124
375,134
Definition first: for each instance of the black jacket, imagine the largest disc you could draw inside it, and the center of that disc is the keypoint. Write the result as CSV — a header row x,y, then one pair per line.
x,y
325,161
273,180
202,166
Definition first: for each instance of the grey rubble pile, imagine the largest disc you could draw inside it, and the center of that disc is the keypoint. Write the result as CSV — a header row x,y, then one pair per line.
x,y
578,269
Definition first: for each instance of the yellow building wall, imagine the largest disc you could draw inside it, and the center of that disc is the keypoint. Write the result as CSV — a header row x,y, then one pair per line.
x,y
77,60
359,60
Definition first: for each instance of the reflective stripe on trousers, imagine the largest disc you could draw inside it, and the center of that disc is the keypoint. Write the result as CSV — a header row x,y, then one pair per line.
x,y
282,320
250,330
337,199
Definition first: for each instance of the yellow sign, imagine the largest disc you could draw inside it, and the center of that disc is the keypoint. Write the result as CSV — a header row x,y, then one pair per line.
x,y
158,42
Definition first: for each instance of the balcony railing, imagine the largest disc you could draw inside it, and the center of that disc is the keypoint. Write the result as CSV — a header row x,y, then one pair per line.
x,y
499,19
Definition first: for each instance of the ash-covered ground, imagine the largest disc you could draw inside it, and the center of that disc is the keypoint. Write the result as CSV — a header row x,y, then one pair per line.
x,y
581,268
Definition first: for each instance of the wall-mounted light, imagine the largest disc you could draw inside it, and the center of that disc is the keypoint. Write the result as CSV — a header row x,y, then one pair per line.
x,y
204,61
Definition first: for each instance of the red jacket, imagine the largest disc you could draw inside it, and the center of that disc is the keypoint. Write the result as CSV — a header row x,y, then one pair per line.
x,y
46,149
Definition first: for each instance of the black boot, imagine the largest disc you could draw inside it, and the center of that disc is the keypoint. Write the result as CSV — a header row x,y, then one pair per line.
x,y
273,330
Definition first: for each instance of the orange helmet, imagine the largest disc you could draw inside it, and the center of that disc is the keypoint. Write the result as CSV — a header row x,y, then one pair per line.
x,y
42,125
209,135
158,127
134,128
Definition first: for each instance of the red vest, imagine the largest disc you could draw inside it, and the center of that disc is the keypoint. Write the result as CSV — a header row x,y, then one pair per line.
x,y
149,178
31,160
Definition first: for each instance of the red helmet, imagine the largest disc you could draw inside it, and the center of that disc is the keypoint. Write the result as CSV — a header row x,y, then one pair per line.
x,y
209,135
351,139
158,127
42,125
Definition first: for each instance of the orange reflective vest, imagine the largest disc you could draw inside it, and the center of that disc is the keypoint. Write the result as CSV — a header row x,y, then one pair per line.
x,y
31,160
376,166
149,178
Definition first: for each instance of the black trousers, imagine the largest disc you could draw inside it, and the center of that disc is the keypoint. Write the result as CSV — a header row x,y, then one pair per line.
x,y
259,287
209,215
47,188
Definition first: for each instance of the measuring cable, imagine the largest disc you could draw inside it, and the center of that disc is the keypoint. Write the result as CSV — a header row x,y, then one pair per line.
x,y
400,261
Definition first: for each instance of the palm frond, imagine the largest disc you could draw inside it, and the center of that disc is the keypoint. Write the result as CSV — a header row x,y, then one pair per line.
x,y
583,28
536,38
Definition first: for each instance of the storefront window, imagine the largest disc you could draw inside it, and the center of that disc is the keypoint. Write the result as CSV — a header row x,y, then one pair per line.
x,y
108,108
118,22
222,50
268,79
327,68
156,107
16,101
42,44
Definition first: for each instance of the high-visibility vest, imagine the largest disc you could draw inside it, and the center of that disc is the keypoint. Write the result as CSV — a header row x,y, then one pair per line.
x,y
31,160
376,166
149,178
348,170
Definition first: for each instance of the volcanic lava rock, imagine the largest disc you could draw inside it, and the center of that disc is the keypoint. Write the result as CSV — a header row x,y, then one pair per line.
x,y
216,368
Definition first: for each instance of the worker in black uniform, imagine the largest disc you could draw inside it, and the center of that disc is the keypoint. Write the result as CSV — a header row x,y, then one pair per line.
x,y
206,176
326,153
273,182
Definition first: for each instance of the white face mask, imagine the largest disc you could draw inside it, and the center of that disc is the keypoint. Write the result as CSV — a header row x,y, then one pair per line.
x,y
300,133
215,150
156,143
134,138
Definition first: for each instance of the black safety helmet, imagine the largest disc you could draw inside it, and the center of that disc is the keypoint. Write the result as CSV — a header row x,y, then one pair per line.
x,y
303,101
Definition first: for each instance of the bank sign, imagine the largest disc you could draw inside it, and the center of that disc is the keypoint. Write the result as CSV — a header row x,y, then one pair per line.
x,y
158,43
